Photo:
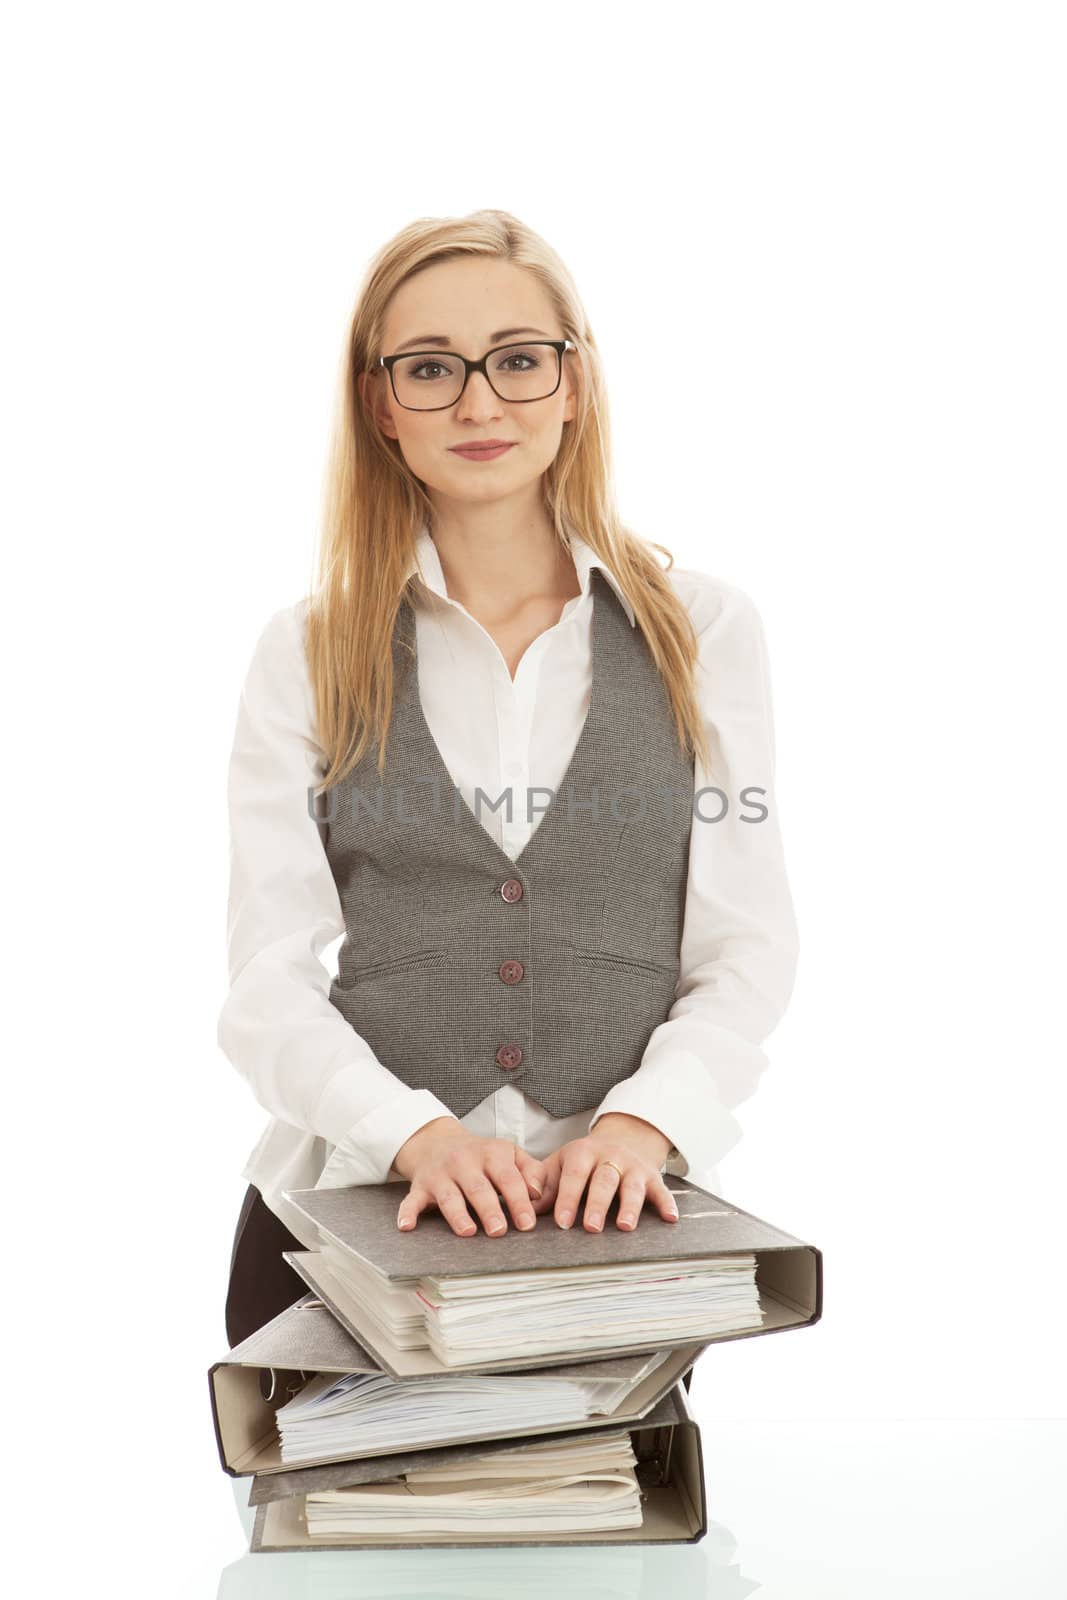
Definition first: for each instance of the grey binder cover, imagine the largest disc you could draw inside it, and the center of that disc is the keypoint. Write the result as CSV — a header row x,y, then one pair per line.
x,y
670,1472
362,1220
305,1338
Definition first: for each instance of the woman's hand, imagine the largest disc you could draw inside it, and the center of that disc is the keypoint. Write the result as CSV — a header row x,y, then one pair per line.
x,y
447,1166
635,1146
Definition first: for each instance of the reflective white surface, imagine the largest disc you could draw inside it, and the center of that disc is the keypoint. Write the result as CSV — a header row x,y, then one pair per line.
x,y
804,1510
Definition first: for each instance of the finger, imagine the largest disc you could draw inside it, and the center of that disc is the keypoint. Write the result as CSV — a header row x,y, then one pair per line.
x,y
413,1205
661,1198
632,1192
572,1180
511,1184
480,1195
602,1186
534,1172
451,1204
551,1188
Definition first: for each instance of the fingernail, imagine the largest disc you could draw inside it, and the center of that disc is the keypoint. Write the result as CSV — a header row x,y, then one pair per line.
x,y
526,1220
496,1227
672,1211
533,1184
565,1218
594,1219
403,1222
626,1220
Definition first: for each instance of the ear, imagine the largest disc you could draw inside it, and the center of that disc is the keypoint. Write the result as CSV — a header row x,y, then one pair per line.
x,y
572,382
373,397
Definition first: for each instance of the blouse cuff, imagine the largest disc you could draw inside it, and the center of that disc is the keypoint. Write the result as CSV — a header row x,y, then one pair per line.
x,y
676,1095
365,1153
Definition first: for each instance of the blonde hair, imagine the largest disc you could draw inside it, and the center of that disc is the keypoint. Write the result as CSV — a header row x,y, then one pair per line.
x,y
374,506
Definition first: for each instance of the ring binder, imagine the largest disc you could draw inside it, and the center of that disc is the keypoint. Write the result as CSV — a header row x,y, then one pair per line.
x,y
669,1474
314,1339
245,1427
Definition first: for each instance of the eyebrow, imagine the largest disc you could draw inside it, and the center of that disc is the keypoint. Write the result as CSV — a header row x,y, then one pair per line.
x,y
435,341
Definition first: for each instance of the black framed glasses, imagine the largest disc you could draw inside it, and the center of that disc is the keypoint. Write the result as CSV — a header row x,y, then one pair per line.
x,y
433,380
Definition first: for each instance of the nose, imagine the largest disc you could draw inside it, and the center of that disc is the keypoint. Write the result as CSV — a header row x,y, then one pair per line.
x,y
479,400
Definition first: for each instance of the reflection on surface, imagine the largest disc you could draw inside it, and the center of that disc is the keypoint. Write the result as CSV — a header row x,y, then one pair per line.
x,y
818,1509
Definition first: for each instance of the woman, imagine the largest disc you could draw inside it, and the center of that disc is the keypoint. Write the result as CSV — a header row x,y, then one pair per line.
x,y
523,768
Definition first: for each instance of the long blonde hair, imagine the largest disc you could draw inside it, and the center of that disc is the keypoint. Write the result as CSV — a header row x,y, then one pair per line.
x,y
374,506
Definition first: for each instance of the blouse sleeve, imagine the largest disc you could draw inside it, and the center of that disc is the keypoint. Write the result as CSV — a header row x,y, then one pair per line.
x,y
303,1060
739,941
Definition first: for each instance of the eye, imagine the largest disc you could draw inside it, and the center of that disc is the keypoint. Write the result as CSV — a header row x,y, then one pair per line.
x,y
527,357
420,367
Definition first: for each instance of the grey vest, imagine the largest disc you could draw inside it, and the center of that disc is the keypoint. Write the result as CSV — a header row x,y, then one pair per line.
x,y
465,969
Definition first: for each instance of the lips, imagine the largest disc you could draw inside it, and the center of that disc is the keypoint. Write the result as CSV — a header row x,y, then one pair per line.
x,y
482,452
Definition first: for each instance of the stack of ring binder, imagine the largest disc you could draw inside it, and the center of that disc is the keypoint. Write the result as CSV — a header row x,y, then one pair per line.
x,y
434,1391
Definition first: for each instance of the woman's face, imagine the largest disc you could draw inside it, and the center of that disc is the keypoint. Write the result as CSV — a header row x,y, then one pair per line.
x,y
469,306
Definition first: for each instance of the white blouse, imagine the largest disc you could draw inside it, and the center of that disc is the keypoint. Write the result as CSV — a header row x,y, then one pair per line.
x,y
338,1115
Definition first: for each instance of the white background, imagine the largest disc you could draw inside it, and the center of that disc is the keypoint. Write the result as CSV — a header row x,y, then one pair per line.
x,y
822,247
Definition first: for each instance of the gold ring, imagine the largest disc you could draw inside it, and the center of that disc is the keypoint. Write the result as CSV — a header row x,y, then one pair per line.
x,y
618,1169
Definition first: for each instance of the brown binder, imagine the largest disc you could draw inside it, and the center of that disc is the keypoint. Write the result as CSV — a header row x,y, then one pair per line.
x,y
670,1473
258,1375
